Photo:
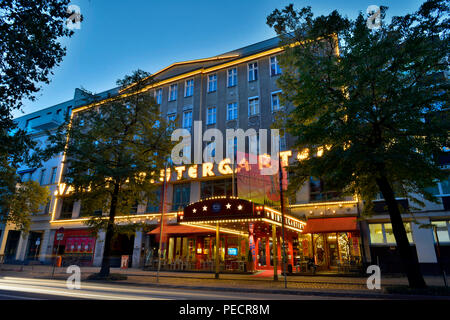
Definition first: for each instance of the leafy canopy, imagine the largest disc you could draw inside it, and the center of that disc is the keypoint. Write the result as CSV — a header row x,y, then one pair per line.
x,y
30,32
374,100
28,200
115,149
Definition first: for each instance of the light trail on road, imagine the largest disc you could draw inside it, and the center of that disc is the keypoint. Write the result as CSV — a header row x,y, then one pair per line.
x,y
45,288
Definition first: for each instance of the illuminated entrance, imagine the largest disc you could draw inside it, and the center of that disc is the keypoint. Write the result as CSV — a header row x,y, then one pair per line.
x,y
249,237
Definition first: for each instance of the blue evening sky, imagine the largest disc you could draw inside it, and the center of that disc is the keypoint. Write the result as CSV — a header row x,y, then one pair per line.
x,y
117,37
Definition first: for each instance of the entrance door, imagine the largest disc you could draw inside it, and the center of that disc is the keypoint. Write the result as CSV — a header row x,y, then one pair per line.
x,y
11,245
122,244
34,245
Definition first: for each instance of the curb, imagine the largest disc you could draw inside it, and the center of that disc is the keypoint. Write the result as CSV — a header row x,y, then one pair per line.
x,y
385,296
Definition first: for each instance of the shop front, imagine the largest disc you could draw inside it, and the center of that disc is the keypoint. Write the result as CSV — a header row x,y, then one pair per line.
x,y
76,247
332,244
248,235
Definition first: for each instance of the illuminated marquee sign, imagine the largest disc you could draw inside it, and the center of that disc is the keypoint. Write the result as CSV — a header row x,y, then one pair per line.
x,y
223,209
288,221
220,208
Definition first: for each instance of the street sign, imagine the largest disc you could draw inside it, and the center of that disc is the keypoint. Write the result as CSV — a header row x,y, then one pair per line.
x,y
60,234
38,241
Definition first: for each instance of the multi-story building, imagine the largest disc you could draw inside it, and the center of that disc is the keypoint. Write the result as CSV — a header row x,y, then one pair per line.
x,y
234,90
14,245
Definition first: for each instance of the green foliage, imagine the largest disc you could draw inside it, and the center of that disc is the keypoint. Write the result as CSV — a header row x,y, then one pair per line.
x,y
377,102
30,32
116,150
28,200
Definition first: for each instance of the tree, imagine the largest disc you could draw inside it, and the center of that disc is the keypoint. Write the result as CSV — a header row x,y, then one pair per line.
x,y
30,32
29,199
114,153
371,112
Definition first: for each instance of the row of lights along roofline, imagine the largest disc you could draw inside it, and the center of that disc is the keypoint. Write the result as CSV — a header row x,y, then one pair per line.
x,y
141,217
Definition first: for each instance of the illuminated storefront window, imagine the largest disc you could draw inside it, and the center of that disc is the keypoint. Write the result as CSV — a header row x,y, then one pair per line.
x,y
382,233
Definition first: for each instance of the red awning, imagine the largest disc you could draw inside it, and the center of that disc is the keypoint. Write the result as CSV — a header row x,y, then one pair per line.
x,y
180,229
323,225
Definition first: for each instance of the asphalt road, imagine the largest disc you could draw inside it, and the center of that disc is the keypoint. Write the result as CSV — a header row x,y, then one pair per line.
x,y
13,288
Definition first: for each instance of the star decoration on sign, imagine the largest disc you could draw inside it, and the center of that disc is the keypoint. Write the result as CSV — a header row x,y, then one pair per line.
x,y
228,206
204,208
240,207
194,210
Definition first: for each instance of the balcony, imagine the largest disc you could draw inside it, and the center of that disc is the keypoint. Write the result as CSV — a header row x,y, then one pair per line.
x,y
325,209
44,123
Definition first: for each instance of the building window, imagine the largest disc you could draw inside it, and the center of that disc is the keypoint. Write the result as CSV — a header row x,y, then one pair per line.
x,y
66,209
253,106
186,154
189,88
441,188
158,96
211,115
253,71
274,66
173,92
381,233
232,111
187,120
85,213
181,196
232,77
232,148
281,141
210,151
275,101
42,177
318,192
53,175
171,118
154,204
212,82
253,144
442,228
216,188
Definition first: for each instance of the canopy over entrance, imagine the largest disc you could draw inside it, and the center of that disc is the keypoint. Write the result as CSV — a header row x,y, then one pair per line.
x,y
234,214
324,225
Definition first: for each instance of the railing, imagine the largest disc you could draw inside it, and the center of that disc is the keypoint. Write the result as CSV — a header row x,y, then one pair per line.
x,y
208,265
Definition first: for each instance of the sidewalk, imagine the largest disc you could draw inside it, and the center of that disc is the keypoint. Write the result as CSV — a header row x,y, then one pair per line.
x,y
260,282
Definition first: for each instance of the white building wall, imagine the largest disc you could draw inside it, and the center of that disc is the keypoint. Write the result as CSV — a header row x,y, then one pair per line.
x,y
137,249
424,241
99,246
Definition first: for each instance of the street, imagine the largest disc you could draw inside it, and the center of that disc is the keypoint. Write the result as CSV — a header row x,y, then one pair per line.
x,y
13,288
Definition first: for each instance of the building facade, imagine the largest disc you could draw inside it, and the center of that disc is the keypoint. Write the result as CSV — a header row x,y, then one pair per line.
x,y
235,90
16,246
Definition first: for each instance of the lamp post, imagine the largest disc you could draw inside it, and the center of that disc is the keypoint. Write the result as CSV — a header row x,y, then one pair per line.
x,y
217,251
59,237
283,242
161,222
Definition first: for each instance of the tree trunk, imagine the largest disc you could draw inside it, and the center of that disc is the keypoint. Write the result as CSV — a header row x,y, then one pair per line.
x,y
105,269
410,264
